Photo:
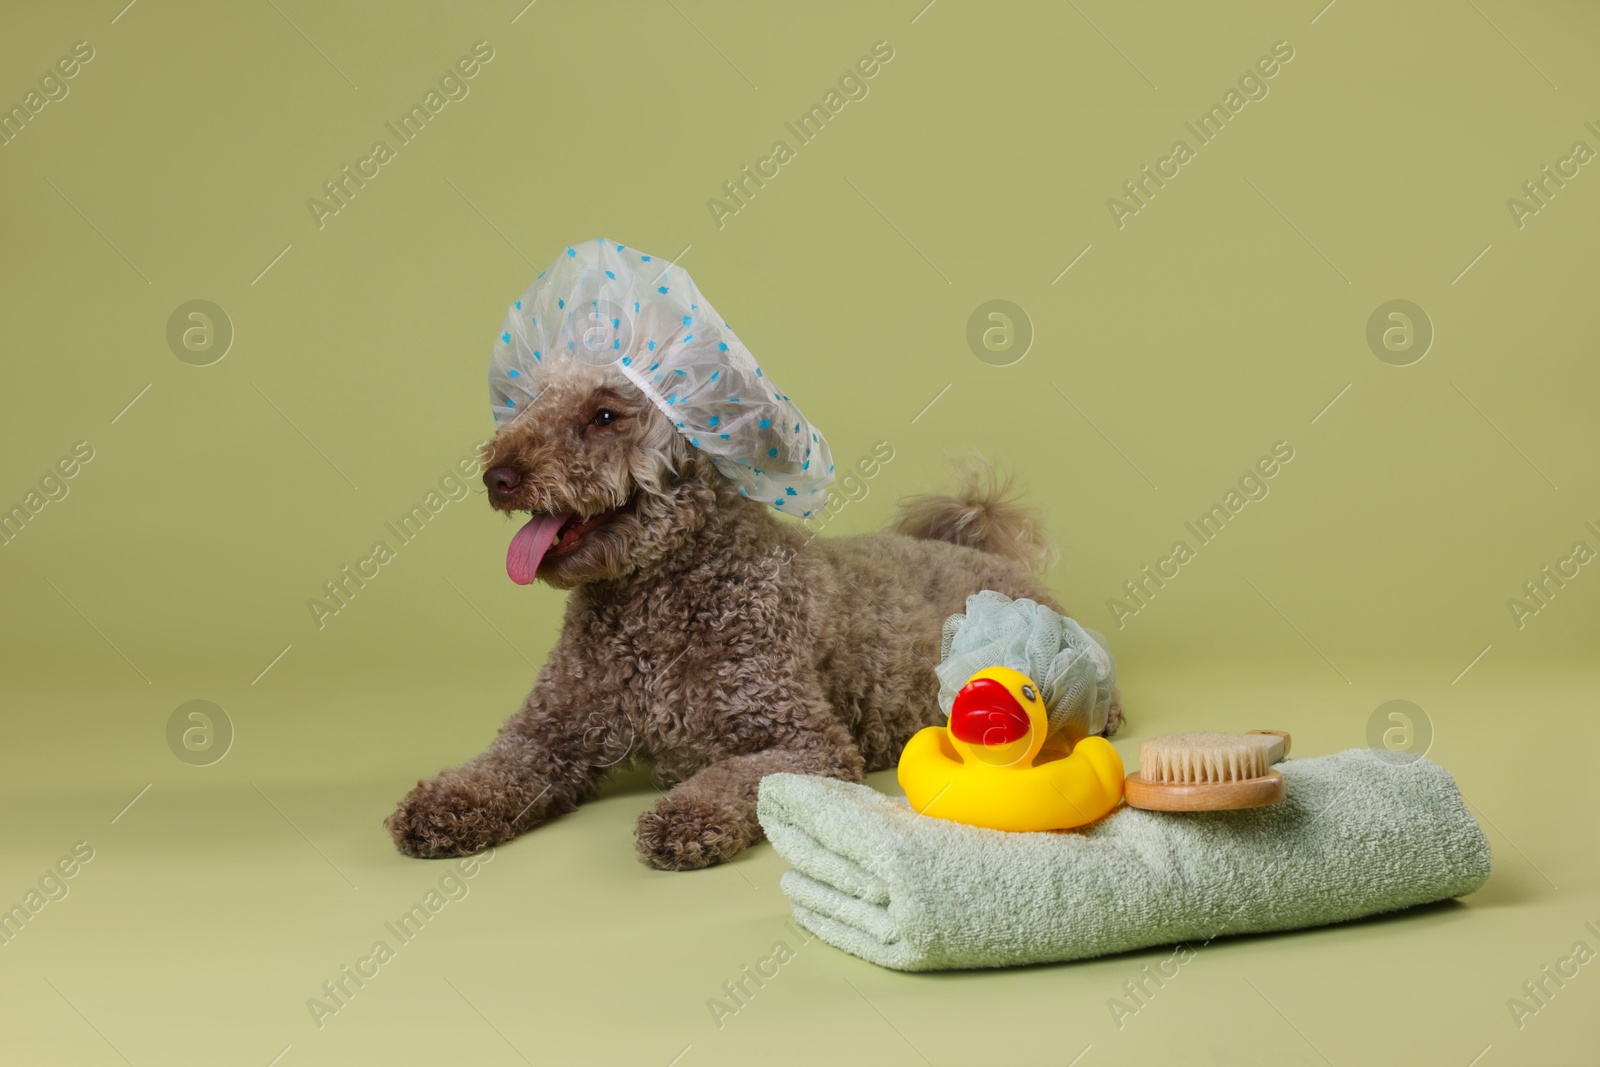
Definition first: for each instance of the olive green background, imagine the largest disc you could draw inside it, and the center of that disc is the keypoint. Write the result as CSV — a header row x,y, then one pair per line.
x,y
1227,315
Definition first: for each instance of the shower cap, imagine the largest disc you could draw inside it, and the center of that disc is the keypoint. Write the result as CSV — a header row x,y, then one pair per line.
x,y
607,304
1071,665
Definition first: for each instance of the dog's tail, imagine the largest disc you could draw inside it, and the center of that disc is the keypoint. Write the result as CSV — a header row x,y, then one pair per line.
x,y
984,513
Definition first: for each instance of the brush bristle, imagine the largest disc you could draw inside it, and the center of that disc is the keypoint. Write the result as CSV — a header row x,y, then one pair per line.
x,y
1209,757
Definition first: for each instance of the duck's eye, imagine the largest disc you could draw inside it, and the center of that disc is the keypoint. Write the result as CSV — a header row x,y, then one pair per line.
x,y
1028,693
604,417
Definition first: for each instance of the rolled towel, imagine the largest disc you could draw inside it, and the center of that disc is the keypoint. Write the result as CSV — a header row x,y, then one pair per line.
x,y
1361,832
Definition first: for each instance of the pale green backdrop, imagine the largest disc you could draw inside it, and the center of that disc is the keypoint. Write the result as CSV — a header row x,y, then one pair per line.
x,y
1229,313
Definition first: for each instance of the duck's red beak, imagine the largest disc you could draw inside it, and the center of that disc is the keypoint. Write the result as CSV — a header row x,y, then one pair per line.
x,y
985,713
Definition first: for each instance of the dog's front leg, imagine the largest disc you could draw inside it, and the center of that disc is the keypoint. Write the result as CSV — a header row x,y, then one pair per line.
x,y
547,758
711,817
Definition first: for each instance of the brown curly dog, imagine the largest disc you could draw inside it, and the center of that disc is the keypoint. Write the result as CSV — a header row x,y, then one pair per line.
x,y
706,636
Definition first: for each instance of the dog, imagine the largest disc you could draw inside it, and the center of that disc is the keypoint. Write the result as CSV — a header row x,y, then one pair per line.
x,y
704,635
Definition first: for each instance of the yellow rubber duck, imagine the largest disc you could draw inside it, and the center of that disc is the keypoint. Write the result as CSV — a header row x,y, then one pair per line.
x,y
995,766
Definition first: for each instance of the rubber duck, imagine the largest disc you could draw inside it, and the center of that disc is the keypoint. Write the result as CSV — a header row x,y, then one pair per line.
x,y
995,764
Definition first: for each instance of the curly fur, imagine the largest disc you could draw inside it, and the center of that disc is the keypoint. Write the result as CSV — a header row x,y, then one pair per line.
x,y
985,513
707,637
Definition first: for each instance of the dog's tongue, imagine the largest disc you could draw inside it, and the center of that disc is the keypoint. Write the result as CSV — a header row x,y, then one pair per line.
x,y
529,546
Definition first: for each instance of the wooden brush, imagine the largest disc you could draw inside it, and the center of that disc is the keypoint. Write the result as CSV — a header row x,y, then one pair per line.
x,y
1208,772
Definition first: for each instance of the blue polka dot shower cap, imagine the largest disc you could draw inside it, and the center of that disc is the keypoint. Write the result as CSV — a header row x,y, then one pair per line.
x,y
607,304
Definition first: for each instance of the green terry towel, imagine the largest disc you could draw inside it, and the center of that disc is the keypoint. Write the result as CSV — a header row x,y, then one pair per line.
x,y
1361,832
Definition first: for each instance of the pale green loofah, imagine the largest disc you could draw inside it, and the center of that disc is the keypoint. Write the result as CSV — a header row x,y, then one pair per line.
x,y
1071,665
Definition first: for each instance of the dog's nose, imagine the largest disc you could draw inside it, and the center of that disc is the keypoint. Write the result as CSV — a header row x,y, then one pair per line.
x,y
501,480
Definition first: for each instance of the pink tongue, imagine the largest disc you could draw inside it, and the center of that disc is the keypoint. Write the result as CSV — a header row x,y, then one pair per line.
x,y
529,546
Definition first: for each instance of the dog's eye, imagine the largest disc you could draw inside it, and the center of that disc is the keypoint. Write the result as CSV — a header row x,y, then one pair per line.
x,y
604,417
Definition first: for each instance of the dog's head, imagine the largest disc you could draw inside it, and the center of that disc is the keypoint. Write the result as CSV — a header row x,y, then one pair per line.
x,y
604,476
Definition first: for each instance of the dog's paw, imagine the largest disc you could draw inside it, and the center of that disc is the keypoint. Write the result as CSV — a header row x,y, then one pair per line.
x,y
446,816
686,833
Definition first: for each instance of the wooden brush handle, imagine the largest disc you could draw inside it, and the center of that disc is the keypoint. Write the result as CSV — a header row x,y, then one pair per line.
x,y
1204,796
